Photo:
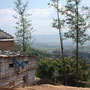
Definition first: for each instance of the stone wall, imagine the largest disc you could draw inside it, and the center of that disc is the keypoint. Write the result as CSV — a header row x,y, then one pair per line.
x,y
11,76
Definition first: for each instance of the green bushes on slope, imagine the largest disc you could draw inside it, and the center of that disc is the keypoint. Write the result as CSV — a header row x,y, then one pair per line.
x,y
53,70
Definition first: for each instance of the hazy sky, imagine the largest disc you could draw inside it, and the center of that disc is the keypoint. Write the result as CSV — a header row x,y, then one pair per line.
x,y
41,17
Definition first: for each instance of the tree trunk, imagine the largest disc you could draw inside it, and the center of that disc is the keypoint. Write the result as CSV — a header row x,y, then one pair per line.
x,y
23,27
61,43
77,38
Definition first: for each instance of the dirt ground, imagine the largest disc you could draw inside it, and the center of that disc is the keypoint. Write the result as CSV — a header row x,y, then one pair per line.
x,y
48,87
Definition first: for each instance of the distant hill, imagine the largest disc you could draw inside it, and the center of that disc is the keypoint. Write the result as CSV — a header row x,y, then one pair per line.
x,y
52,42
50,39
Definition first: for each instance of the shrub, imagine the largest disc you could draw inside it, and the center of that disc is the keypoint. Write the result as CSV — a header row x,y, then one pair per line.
x,y
53,70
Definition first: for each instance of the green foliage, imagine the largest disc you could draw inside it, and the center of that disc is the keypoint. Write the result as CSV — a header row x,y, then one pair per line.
x,y
18,47
41,54
53,70
73,19
58,24
23,25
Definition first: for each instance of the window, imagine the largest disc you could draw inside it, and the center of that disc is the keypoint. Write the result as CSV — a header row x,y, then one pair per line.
x,y
11,65
25,78
26,62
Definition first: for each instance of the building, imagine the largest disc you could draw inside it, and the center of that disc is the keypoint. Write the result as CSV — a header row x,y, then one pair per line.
x,y
6,41
17,70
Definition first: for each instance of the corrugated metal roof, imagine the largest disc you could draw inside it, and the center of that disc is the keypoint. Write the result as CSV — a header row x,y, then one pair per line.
x,y
5,35
4,53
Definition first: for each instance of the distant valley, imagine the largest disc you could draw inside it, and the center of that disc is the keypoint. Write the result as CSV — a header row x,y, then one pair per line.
x,y
52,42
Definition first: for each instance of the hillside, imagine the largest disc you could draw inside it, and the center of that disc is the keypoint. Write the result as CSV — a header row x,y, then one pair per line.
x,y
48,87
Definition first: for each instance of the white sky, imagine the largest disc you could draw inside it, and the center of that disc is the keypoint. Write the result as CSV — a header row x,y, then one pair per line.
x,y
41,17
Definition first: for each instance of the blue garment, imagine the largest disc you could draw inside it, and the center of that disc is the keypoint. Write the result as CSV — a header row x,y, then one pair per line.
x,y
22,64
17,63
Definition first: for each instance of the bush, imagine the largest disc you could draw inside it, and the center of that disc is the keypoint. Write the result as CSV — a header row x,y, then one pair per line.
x,y
54,71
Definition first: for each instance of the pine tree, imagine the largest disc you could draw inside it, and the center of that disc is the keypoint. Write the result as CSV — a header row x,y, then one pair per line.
x,y
77,22
58,24
23,25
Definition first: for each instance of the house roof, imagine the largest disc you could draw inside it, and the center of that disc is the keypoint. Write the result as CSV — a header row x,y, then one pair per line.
x,y
4,53
5,35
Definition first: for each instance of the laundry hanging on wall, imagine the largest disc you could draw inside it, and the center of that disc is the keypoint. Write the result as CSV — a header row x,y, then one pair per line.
x,y
17,64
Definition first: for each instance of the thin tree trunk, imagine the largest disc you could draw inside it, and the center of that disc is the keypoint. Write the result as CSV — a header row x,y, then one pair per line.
x,y
61,42
23,36
77,37
23,42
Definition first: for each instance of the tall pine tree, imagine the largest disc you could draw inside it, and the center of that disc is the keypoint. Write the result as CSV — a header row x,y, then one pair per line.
x,y
58,24
23,25
77,22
